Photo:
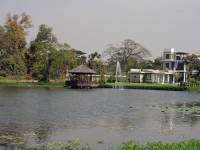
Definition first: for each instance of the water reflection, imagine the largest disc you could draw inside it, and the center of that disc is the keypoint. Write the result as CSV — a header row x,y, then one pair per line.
x,y
29,117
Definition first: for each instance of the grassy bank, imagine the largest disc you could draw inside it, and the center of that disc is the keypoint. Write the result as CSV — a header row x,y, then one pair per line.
x,y
189,145
169,87
194,89
126,85
30,83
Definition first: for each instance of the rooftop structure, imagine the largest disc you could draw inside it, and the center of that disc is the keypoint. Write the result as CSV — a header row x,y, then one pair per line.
x,y
82,69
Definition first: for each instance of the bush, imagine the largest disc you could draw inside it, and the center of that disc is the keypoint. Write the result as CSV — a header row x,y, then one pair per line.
x,y
111,79
102,80
2,74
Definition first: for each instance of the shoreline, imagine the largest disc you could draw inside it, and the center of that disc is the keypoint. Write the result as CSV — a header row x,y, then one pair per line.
x,y
31,83
125,85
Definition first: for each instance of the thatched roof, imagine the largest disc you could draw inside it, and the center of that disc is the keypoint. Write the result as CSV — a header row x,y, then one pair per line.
x,y
82,69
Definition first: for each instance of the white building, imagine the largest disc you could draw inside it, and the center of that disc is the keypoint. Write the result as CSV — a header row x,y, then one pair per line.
x,y
174,70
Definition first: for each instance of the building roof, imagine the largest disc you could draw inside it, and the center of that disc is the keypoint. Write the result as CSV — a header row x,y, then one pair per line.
x,y
182,53
143,71
82,69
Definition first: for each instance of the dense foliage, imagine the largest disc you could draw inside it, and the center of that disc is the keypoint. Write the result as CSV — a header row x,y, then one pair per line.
x,y
45,58
13,44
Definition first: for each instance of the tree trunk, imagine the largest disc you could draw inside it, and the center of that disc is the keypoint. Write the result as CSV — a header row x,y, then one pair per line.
x,y
46,72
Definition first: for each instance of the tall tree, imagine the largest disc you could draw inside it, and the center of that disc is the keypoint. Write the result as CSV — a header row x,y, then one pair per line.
x,y
47,58
42,47
128,49
13,43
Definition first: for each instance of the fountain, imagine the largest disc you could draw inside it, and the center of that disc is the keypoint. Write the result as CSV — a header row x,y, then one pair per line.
x,y
118,76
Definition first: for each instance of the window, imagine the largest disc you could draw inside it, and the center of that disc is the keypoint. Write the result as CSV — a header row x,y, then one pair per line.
x,y
167,56
167,65
178,57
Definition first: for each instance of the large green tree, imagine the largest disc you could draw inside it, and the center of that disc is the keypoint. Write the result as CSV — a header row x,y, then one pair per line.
x,y
47,58
13,44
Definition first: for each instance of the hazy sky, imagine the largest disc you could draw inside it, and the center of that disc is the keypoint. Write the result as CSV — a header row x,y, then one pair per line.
x,y
90,25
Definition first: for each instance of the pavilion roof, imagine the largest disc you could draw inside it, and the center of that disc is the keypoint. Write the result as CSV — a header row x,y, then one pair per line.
x,y
82,69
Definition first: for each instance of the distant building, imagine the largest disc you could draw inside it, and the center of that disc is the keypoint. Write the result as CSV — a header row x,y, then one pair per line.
x,y
174,70
146,76
175,65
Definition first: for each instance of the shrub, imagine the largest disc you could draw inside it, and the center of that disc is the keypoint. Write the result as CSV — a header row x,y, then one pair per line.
x,y
102,80
2,74
111,79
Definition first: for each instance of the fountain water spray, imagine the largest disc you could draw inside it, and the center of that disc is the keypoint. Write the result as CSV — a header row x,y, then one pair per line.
x,y
118,73
118,76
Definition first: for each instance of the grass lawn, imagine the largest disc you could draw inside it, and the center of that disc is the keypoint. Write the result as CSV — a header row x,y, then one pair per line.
x,y
194,89
126,85
30,83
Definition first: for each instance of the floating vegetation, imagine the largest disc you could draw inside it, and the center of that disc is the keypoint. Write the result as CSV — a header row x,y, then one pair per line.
x,y
11,139
186,108
100,142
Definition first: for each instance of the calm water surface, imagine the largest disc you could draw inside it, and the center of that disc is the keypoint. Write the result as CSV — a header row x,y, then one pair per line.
x,y
31,116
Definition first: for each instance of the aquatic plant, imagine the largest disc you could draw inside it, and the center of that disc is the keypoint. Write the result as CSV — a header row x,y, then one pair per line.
x,y
187,145
184,109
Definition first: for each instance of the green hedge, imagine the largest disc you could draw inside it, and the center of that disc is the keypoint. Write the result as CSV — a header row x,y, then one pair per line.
x,y
149,86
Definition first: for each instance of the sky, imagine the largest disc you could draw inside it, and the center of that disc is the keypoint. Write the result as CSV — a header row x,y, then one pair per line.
x,y
91,25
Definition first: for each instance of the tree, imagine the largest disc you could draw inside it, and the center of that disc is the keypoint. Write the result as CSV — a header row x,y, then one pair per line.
x,y
95,62
47,58
93,57
157,64
129,49
45,34
146,64
193,63
13,44
63,61
41,53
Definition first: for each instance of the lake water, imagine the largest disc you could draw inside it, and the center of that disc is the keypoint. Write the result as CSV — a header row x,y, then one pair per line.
x,y
31,116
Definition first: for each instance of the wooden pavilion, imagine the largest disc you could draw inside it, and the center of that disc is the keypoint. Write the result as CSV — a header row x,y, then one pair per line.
x,y
81,77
